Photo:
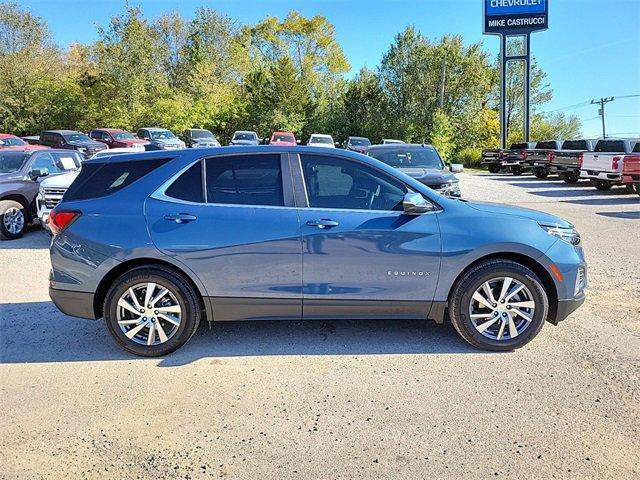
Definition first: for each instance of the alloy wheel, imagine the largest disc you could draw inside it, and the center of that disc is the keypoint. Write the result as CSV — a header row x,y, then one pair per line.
x,y
148,314
502,308
13,220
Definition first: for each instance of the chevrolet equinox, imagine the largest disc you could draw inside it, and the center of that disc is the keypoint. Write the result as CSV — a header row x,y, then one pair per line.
x,y
158,241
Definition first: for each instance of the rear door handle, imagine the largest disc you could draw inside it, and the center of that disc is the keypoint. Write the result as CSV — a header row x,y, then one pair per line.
x,y
180,217
323,223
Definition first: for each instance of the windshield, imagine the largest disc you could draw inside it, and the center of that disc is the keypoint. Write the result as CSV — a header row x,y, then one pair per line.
x,y
78,137
123,136
201,134
12,142
11,161
425,157
162,135
359,142
325,140
283,137
245,136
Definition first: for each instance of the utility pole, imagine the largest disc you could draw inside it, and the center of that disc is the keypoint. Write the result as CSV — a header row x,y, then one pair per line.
x,y
602,102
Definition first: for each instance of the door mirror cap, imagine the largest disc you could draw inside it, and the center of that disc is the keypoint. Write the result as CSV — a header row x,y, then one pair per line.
x,y
415,204
36,174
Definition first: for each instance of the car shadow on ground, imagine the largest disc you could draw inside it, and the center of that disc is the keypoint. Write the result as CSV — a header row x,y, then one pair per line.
x,y
34,238
37,333
625,215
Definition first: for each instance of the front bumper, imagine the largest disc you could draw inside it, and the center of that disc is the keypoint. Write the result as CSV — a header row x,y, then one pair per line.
x,y
75,304
567,307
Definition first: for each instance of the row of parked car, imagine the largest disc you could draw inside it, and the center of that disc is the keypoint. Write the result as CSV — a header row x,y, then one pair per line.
x,y
35,176
605,163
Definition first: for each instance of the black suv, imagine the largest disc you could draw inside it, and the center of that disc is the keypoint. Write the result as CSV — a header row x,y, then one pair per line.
x,y
71,140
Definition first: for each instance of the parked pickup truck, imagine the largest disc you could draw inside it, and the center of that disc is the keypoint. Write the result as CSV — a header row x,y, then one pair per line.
x,y
492,159
631,169
540,158
567,161
515,159
603,166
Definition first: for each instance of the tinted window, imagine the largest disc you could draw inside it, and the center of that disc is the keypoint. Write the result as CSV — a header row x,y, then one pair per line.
x,y
359,142
12,142
77,137
101,179
245,136
425,157
201,134
636,149
337,183
244,180
575,145
546,145
121,136
609,146
519,146
45,162
188,186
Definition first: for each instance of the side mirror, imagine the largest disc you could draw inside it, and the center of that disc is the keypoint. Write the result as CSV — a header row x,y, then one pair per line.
x,y
415,204
36,174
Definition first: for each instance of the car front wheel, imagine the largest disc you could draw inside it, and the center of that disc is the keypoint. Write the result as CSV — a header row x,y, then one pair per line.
x,y
494,168
541,172
152,311
498,305
13,220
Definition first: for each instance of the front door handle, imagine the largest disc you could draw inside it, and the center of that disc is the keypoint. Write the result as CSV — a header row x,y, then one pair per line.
x,y
180,217
323,223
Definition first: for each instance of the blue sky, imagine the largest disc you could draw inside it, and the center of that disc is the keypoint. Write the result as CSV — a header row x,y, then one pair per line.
x,y
591,50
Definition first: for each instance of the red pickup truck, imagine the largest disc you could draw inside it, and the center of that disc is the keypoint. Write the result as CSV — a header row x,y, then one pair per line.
x,y
631,169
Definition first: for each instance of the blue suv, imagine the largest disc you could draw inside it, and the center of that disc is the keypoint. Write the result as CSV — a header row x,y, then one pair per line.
x,y
155,242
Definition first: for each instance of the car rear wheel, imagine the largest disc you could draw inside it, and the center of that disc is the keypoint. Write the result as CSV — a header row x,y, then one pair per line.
x,y
516,170
494,168
571,177
541,172
601,184
498,305
13,220
637,186
152,311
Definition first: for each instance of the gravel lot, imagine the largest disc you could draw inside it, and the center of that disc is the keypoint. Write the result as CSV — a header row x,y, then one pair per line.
x,y
335,400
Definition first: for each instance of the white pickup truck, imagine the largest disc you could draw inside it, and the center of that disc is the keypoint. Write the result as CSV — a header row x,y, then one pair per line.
x,y
603,166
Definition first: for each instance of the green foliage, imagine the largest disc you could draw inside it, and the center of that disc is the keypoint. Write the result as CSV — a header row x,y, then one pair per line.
x,y
278,74
469,157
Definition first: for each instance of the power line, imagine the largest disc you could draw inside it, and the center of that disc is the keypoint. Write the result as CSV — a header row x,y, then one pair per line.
x,y
586,103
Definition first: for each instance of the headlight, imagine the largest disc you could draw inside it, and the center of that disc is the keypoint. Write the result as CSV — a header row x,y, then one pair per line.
x,y
569,235
82,149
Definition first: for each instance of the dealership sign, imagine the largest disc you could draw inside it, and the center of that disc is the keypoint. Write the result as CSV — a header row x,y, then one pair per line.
x,y
515,17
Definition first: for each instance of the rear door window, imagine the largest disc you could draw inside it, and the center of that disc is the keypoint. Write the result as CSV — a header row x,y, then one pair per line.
x,y
244,180
188,186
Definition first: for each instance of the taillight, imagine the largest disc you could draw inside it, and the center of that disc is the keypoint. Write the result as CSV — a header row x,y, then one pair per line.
x,y
614,163
524,155
580,159
550,157
59,220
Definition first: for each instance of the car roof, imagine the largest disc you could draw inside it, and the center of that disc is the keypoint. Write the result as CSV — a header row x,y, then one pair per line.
x,y
62,132
154,129
244,131
7,135
110,129
282,131
198,130
361,138
402,146
321,135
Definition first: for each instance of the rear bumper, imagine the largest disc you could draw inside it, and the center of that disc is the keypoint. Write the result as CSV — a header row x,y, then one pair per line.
x,y
75,304
596,175
567,307
631,178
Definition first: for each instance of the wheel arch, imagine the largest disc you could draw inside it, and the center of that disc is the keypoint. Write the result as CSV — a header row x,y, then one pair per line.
x,y
529,262
16,197
121,268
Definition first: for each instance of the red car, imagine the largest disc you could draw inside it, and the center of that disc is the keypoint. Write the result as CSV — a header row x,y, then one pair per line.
x,y
286,139
11,142
116,138
631,169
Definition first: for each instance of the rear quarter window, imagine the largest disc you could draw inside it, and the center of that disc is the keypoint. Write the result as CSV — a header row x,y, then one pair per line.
x,y
102,179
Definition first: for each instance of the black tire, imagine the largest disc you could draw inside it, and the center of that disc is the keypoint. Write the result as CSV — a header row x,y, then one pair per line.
x,y
494,168
466,286
602,185
571,177
186,296
516,170
541,172
637,185
629,188
12,208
